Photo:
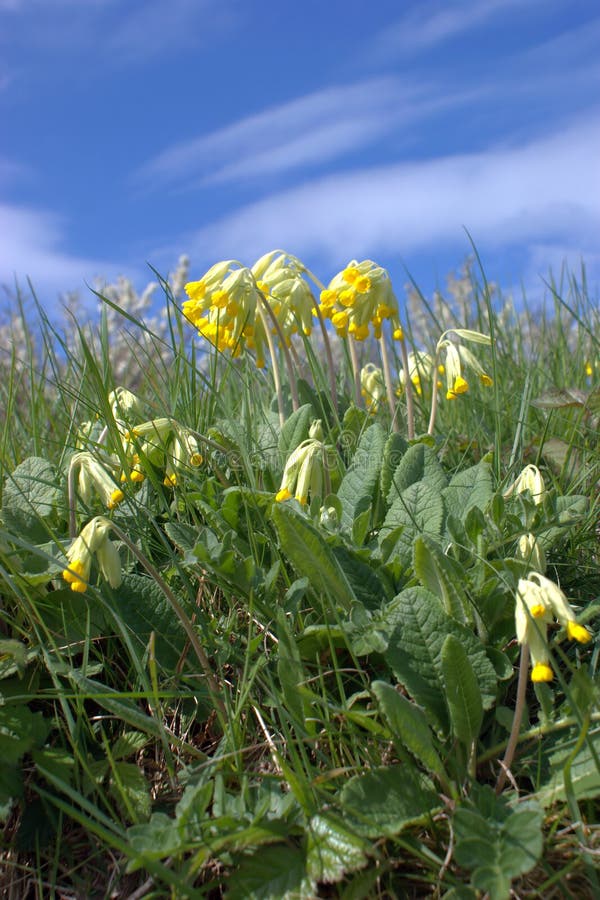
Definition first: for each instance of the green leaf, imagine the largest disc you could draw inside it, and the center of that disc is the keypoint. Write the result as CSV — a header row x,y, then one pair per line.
x,y
419,463
584,774
409,727
311,556
20,732
468,488
462,691
333,849
365,582
143,608
128,743
415,653
440,575
155,839
383,801
32,487
497,841
393,452
130,789
277,872
295,430
418,509
356,492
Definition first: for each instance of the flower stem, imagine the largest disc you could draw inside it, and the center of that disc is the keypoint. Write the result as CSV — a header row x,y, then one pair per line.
x,y
355,369
434,396
286,353
275,366
329,355
387,377
518,716
410,412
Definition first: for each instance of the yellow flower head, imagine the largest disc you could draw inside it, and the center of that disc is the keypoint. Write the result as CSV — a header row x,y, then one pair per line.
x,y
223,304
92,540
303,473
538,603
360,298
530,479
457,358
280,277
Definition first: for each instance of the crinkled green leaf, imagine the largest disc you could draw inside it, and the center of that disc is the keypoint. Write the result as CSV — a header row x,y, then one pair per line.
x,y
310,555
32,487
441,575
419,463
462,691
584,773
385,800
277,872
418,509
415,653
497,841
393,453
408,725
295,430
143,608
333,849
358,485
468,488
155,839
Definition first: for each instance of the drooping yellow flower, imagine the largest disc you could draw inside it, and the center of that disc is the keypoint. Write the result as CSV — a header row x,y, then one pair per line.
x,y
539,601
223,306
93,477
303,473
360,298
457,357
372,386
93,539
280,277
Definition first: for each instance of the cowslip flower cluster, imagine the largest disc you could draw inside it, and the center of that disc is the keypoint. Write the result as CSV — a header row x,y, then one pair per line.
x,y
538,603
359,298
303,475
457,358
279,277
93,477
372,386
93,540
162,443
223,306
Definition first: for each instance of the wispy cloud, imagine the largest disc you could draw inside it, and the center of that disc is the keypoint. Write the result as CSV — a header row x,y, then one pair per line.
x,y
33,247
430,23
306,132
135,32
539,191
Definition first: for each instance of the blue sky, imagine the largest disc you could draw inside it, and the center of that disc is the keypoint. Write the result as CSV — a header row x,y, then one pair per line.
x,y
136,130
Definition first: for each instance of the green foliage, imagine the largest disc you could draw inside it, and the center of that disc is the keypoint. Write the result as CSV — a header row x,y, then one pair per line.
x,y
295,701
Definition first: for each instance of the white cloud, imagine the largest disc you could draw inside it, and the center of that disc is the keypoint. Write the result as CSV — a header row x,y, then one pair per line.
x,y
428,24
543,190
307,131
32,247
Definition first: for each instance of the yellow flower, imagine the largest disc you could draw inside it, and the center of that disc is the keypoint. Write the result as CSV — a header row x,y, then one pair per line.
x,y
539,601
303,473
372,386
280,277
360,298
92,540
457,357
93,477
